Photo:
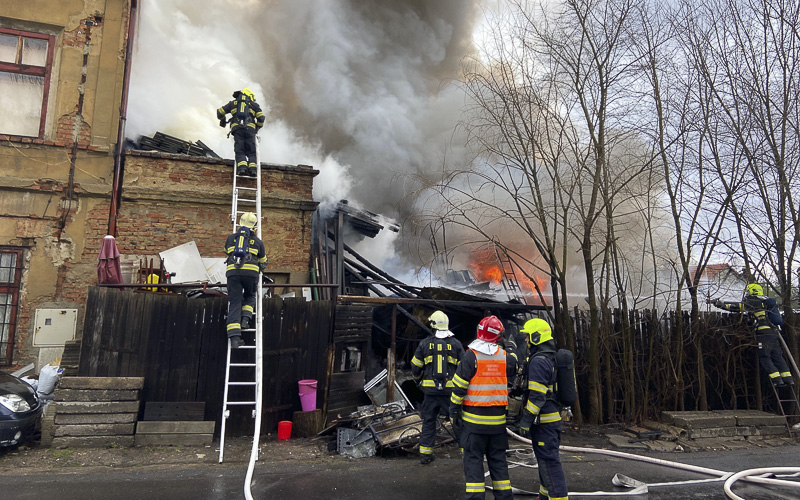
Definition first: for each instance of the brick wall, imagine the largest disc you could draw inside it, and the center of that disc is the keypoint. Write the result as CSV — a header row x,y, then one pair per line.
x,y
170,199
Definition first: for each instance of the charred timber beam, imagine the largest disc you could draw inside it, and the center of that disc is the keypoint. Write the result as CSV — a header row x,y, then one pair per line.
x,y
355,299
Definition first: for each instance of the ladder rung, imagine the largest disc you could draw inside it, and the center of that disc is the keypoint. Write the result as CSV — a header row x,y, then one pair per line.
x,y
240,403
245,188
245,200
241,383
243,365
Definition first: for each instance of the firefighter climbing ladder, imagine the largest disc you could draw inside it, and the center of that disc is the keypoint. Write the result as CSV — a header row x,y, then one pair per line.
x,y
246,199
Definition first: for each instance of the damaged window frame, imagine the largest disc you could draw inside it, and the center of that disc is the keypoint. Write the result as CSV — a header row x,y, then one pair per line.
x,y
17,69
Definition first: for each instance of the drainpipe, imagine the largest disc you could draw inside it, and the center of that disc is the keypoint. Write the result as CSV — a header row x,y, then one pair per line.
x,y
116,188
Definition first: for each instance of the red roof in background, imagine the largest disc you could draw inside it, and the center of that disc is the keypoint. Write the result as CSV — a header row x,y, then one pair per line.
x,y
712,271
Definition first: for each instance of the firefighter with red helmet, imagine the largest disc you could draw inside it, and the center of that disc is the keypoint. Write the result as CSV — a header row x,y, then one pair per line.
x,y
541,417
478,410
433,366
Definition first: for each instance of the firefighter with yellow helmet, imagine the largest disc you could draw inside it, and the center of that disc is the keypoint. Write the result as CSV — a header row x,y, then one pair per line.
x,y
246,120
246,261
766,318
433,366
541,416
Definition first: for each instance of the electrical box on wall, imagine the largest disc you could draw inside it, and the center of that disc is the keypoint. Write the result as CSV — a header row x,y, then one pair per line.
x,y
53,327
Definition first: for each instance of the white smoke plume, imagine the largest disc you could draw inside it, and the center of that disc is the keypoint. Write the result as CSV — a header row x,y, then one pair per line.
x,y
357,89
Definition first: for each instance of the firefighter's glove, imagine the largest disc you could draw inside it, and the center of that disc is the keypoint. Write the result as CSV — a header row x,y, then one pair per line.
x,y
718,303
525,425
455,418
222,122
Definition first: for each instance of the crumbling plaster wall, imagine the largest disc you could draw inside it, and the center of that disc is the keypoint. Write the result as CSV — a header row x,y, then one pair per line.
x,y
41,211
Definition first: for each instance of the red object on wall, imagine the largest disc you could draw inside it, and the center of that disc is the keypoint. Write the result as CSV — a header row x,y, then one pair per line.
x,y
108,267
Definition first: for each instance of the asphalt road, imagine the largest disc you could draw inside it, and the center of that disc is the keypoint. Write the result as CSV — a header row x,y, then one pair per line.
x,y
391,478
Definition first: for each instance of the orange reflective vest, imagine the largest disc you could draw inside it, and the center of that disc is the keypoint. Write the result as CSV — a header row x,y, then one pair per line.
x,y
489,386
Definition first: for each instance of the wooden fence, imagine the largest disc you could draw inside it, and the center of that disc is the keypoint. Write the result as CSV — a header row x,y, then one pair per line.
x,y
653,365
178,345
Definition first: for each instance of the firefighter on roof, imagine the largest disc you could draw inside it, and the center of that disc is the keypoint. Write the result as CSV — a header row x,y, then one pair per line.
x,y
246,120
481,388
245,263
433,366
764,312
541,419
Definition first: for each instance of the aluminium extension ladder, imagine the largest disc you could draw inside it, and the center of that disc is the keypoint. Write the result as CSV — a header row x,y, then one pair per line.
x,y
246,199
509,278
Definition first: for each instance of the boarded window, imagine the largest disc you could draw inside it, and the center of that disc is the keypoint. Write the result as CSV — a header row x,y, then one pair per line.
x,y
25,61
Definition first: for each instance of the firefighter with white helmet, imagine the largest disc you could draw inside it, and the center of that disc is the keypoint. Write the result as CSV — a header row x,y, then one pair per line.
x,y
478,410
433,366
246,261
541,416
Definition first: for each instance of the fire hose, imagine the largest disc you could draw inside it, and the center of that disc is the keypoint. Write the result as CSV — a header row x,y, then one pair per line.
x,y
638,487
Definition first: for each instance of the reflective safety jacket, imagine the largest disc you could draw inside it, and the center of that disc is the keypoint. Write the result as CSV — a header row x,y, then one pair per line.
x,y
758,308
435,362
481,385
254,262
541,378
254,116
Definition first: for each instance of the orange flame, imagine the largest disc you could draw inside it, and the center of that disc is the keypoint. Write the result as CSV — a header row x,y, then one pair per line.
x,y
485,266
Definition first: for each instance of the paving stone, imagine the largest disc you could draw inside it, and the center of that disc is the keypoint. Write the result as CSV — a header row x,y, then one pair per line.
x,y
712,432
702,420
621,441
665,446
762,430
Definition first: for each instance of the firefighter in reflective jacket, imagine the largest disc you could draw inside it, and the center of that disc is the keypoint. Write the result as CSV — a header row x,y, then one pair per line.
x,y
770,354
246,120
436,358
481,387
541,419
242,274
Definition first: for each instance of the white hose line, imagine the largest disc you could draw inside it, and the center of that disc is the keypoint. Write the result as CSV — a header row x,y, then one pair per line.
x,y
750,472
677,465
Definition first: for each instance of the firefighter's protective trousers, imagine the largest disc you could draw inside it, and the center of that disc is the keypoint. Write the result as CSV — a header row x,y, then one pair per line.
x,y
242,289
431,406
244,147
546,438
770,357
493,447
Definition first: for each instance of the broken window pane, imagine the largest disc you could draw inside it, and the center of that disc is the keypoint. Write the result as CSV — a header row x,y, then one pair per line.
x,y
21,102
34,52
8,48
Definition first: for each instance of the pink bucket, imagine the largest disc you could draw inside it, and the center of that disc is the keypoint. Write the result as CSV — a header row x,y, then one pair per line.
x,y
307,386
309,401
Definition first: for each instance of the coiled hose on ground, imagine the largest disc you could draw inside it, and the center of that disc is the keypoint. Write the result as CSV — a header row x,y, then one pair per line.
x,y
638,488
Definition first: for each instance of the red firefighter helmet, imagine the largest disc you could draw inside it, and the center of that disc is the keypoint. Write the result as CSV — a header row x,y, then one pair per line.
x,y
490,329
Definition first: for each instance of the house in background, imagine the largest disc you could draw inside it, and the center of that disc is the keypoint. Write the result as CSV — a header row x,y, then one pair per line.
x,y
719,281
63,82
